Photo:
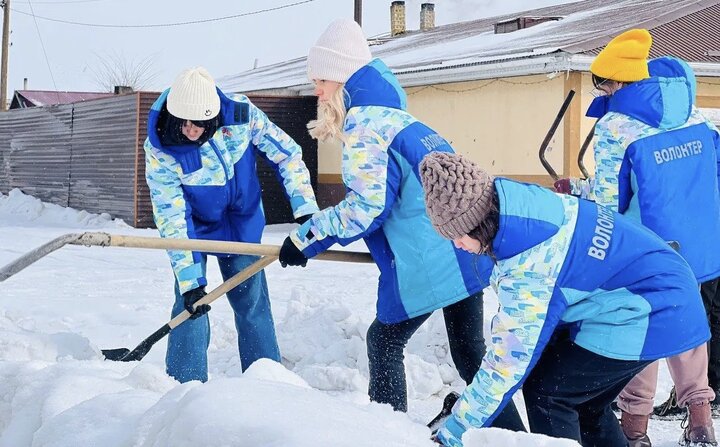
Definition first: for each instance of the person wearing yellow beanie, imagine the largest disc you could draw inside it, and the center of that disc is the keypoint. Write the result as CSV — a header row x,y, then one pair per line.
x,y
644,169
625,58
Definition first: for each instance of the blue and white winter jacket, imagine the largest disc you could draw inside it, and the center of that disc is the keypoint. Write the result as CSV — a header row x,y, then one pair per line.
x,y
213,192
657,160
620,289
419,271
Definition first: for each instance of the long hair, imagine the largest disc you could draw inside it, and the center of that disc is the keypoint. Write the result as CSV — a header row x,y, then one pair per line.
x,y
486,231
331,117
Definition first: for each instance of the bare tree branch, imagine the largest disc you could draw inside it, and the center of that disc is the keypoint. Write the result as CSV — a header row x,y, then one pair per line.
x,y
114,69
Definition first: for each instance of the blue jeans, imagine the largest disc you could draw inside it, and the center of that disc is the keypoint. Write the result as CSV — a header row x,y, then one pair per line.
x,y
464,325
186,358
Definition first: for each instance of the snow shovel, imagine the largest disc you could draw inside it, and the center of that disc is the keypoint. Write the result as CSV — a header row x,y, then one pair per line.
x,y
551,132
207,246
268,253
126,355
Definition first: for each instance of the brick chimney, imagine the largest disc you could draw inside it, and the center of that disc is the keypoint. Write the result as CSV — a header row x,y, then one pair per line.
x,y
427,16
397,18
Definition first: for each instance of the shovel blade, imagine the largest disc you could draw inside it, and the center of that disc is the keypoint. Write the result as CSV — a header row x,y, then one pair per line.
x,y
116,355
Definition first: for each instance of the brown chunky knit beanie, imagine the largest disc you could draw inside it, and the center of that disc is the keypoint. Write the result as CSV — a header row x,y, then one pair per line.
x,y
460,196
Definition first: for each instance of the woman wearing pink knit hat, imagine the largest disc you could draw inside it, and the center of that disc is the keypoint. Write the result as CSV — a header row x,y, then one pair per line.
x,y
362,104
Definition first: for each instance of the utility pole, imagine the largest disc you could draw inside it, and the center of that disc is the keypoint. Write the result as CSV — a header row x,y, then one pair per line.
x,y
5,4
358,12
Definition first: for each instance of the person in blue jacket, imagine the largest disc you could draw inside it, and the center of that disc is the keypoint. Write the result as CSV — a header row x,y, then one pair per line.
x,y
587,299
200,168
656,162
362,105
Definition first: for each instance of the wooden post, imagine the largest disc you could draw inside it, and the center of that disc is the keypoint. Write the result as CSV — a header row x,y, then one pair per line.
x,y
5,50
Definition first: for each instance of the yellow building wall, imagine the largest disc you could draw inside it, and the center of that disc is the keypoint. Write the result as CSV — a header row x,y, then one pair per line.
x,y
708,92
500,123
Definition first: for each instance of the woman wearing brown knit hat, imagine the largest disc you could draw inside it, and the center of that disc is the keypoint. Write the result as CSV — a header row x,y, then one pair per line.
x,y
575,323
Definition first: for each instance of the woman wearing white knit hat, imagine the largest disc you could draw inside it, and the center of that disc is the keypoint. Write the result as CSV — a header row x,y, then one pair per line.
x,y
200,167
363,105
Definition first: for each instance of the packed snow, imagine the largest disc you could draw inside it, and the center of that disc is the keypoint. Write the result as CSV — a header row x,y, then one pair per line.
x,y
57,390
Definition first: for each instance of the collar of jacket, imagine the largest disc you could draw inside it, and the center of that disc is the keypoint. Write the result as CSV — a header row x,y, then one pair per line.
x,y
188,155
662,101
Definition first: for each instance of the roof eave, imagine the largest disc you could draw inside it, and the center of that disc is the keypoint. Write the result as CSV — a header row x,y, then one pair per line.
x,y
581,62
543,64
556,62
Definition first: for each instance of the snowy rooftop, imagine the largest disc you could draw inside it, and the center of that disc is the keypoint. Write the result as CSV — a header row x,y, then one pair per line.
x,y
36,98
684,28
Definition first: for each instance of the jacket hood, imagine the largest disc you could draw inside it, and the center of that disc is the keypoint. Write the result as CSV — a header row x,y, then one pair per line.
x,y
529,214
375,85
662,101
188,155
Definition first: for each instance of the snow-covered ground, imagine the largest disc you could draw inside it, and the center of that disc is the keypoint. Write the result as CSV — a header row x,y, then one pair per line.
x,y
56,389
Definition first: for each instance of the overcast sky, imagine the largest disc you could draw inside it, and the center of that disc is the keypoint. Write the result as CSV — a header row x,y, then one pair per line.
x,y
224,47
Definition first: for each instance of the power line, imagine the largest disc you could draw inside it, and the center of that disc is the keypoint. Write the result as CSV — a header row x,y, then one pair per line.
x,y
161,25
63,2
42,45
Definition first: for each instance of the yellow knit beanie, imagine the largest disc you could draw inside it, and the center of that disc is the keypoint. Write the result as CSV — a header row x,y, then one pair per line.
x,y
624,59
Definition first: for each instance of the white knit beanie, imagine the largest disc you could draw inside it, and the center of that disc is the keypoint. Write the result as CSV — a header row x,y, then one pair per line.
x,y
193,96
339,52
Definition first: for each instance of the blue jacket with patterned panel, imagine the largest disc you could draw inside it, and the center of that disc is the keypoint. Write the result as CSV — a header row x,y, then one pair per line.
x,y
419,271
657,161
213,191
619,289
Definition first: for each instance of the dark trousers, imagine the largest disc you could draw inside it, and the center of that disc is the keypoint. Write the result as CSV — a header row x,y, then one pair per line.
x,y
569,392
386,344
710,291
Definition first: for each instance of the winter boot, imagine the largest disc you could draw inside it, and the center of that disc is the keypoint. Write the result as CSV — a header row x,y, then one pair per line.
x,y
635,429
715,406
699,431
669,410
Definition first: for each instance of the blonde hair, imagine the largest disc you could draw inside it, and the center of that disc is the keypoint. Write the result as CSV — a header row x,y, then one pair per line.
x,y
331,118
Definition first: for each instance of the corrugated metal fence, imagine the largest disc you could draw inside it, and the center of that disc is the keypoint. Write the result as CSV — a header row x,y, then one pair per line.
x,y
89,155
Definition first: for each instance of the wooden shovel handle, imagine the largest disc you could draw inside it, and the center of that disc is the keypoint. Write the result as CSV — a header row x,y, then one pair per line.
x,y
225,287
245,248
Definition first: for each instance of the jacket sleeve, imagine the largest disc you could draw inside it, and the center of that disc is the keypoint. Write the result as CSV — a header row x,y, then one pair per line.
x,y
583,188
286,156
173,217
522,327
609,152
372,189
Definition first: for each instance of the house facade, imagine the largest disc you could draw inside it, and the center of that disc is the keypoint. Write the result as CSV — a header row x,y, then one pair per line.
x,y
493,87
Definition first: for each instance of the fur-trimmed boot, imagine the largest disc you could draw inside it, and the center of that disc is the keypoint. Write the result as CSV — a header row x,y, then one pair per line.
x,y
635,429
699,431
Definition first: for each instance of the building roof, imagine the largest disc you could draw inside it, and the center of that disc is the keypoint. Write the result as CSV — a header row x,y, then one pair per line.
x,y
36,98
471,50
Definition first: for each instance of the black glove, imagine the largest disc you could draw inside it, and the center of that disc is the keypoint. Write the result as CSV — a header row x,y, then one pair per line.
x,y
291,255
193,296
302,219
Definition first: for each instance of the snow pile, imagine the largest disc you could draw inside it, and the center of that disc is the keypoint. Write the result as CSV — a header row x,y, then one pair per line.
x,y
20,208
57,391
497,437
